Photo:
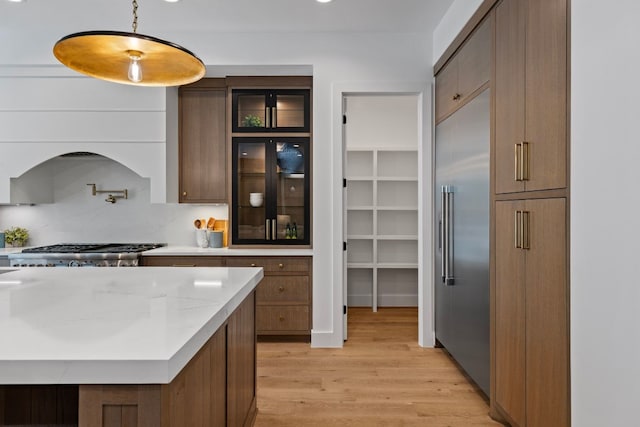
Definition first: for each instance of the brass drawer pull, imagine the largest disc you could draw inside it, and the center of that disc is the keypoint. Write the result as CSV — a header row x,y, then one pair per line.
x,y
184,193
281,289
253,264
281,318
281,265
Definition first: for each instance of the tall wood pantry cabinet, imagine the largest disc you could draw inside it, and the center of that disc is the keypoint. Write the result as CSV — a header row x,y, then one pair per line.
x,y
530,293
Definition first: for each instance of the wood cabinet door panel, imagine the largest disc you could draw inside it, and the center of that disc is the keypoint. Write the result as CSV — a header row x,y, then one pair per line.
x,y
203,145
182,261
509,92
509,314
547,315
241,353
272,264
446,89
283,289
282,318
474,60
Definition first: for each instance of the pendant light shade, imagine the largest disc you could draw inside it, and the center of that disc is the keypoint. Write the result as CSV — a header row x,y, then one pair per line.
x,y
129,58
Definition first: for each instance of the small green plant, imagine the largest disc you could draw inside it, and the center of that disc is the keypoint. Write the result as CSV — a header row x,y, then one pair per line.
x,y
252,121
16,236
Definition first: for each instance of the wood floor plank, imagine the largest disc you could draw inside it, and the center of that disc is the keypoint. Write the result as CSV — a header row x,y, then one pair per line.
x,y
380,378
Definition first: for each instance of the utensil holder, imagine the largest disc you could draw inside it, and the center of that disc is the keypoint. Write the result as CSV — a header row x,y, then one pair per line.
x,y
215,239
201,238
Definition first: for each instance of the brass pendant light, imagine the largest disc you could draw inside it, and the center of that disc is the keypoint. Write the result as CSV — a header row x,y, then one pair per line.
x,y
129,58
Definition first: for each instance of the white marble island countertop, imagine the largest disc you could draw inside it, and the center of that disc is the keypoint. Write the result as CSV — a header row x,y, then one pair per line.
x,y
112,325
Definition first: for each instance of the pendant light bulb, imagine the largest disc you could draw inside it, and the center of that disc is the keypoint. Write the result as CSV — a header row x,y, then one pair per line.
x,y
135,70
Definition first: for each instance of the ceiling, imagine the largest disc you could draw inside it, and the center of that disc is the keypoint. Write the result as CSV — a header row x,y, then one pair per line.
x,y
158,16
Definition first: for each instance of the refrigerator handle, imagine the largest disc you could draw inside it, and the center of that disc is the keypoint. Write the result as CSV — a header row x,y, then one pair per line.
x,y
443,216
448,244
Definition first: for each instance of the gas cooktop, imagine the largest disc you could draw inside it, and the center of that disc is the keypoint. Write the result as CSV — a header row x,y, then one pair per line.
x,y
80,248
82,255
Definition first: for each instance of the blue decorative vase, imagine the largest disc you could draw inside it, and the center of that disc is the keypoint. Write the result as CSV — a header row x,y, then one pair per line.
x,y
290,159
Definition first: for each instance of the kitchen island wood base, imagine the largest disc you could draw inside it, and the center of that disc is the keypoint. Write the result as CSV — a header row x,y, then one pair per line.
x,y
217,387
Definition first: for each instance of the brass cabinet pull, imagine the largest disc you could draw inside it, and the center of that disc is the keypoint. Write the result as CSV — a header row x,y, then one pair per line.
x,y
281,265
522,228
267,230
184,193
253,264
267,117
522,161
518,229
525,230
517,155
281,289
281,318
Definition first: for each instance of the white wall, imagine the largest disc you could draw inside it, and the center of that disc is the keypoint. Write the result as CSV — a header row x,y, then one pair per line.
x,y
605,273
336,59
77,216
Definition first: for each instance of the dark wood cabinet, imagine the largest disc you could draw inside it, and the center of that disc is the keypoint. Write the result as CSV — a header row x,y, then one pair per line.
x,y
283,297
465,73
531,305
271,191
271,110
202,142
531,95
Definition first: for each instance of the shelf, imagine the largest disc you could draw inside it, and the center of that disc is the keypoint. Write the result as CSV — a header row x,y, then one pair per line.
x,y
382,224
356,265
360,236
397,178
359,178
393,265
360,208
397,237
396,208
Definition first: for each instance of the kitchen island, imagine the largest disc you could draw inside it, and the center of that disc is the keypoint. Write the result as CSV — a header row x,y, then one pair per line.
x,y
128,346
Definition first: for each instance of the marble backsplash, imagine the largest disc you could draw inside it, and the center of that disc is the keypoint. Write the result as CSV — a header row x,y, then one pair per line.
x,y
77,216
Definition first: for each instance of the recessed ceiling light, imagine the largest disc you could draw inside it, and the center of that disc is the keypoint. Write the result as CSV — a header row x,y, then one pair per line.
x,y
323,1
16,1
172,1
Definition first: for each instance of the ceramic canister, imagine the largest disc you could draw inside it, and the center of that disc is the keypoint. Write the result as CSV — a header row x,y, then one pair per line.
x,y
215,239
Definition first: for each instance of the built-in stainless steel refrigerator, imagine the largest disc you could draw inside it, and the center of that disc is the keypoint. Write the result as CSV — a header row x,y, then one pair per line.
x,y
462,245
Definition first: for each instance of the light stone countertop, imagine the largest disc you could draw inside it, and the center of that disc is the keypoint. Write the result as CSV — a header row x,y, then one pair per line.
x,y
112,325
195,251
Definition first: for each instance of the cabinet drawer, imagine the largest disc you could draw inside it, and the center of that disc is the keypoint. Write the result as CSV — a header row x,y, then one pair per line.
x,y
182,261
283,289
282,318
278,264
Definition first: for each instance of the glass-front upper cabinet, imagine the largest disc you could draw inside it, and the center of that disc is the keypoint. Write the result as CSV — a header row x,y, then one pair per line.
x,y
271,191
271,110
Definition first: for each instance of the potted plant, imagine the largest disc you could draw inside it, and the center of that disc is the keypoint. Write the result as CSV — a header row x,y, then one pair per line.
x,y
16,236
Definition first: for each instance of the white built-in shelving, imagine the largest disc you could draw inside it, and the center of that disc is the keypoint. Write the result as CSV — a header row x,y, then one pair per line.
x,y
382,226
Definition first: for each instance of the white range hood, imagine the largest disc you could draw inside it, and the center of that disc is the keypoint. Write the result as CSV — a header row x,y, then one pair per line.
x,y
46,112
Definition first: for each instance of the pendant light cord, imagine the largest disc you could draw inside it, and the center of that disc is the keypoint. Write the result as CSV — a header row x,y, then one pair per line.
x,y
135,16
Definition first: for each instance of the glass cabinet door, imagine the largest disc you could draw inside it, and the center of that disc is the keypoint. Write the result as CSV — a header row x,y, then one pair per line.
x,y
292,191
273,110
271,191
249,191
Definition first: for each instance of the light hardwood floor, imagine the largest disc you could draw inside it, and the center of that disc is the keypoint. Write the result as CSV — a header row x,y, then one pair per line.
x,y
380,378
